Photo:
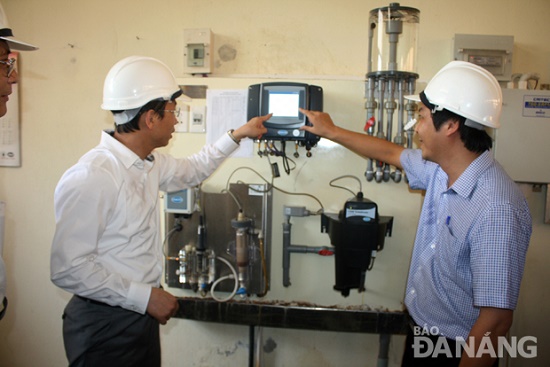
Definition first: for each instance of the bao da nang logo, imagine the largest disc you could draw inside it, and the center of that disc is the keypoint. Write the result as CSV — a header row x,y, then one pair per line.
x,y
424,347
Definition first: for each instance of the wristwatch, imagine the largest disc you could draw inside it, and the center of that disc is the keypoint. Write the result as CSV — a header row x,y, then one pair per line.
x,y
230,133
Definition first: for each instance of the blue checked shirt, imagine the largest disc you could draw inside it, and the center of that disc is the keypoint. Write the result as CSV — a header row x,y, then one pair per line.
x,y
470,245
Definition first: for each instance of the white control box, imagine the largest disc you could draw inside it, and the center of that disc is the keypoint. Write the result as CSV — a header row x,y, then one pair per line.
x,y
521,143
180,202
198,55
493,53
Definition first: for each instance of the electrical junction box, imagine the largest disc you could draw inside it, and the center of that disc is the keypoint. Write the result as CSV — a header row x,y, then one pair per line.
x,y
198,54
493,53
521,143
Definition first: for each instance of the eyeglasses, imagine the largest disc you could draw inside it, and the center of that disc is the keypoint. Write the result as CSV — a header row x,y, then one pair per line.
x,y
176,112
9,66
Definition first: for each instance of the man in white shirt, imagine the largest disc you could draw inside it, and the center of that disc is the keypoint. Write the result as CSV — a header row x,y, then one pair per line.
x,y
106,248
8,77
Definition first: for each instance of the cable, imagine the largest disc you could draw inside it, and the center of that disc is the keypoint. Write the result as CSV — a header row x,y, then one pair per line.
x,y
285,158
177,228
275,187
230,276
345,188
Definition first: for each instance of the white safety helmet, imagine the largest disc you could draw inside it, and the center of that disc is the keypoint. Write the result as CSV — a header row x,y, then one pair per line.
x,y
467,90
6,34
133,82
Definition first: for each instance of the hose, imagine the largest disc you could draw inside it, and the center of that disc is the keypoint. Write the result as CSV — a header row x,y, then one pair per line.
x,y
230,276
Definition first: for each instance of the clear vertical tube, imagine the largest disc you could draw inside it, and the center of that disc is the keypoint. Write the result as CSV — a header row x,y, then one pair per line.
x,y
242,255
392,51
394,38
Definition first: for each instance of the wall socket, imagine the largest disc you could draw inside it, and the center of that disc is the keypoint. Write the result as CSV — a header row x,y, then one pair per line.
x,y
197,119
183,119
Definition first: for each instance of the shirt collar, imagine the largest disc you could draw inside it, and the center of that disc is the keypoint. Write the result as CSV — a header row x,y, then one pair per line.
x,y
121,151
467,181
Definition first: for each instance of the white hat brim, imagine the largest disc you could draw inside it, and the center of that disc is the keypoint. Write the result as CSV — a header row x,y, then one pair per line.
x,y
19,45
413,97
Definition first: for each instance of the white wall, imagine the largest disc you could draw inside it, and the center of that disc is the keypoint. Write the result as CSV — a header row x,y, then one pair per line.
x,y
318,41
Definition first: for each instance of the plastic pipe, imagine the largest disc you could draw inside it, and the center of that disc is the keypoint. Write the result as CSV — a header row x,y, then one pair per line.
x,y
370,106
383,350
286,252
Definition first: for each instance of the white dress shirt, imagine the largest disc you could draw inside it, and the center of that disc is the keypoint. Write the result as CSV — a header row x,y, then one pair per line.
x,y
107,244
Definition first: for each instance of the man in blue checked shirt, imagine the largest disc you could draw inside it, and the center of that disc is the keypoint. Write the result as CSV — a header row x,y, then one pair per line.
x,y
475,225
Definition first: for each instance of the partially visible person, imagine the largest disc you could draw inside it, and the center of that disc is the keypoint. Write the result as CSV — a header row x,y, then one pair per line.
x,y
107,249
8,77
475,226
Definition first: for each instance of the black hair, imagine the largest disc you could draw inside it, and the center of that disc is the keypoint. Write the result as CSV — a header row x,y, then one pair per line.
x,y
157,105
474,140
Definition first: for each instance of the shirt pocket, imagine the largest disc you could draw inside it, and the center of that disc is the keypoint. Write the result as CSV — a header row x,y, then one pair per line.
x,y
448,253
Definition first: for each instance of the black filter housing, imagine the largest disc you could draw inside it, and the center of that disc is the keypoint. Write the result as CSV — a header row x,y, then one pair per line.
x,y
355,233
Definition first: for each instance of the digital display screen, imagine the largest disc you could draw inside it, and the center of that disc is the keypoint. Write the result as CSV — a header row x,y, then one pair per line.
x,y
284,100
284,104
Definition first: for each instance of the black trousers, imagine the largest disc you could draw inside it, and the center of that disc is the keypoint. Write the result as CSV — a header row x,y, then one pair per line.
x,y
96,334
439,360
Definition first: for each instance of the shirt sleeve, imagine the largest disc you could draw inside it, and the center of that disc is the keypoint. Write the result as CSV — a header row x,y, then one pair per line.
x,y
180,173
498,251
418,170
84,200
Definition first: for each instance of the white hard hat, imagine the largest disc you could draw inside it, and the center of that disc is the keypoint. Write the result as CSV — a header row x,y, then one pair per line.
x,y
6,34
467,90
136,80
